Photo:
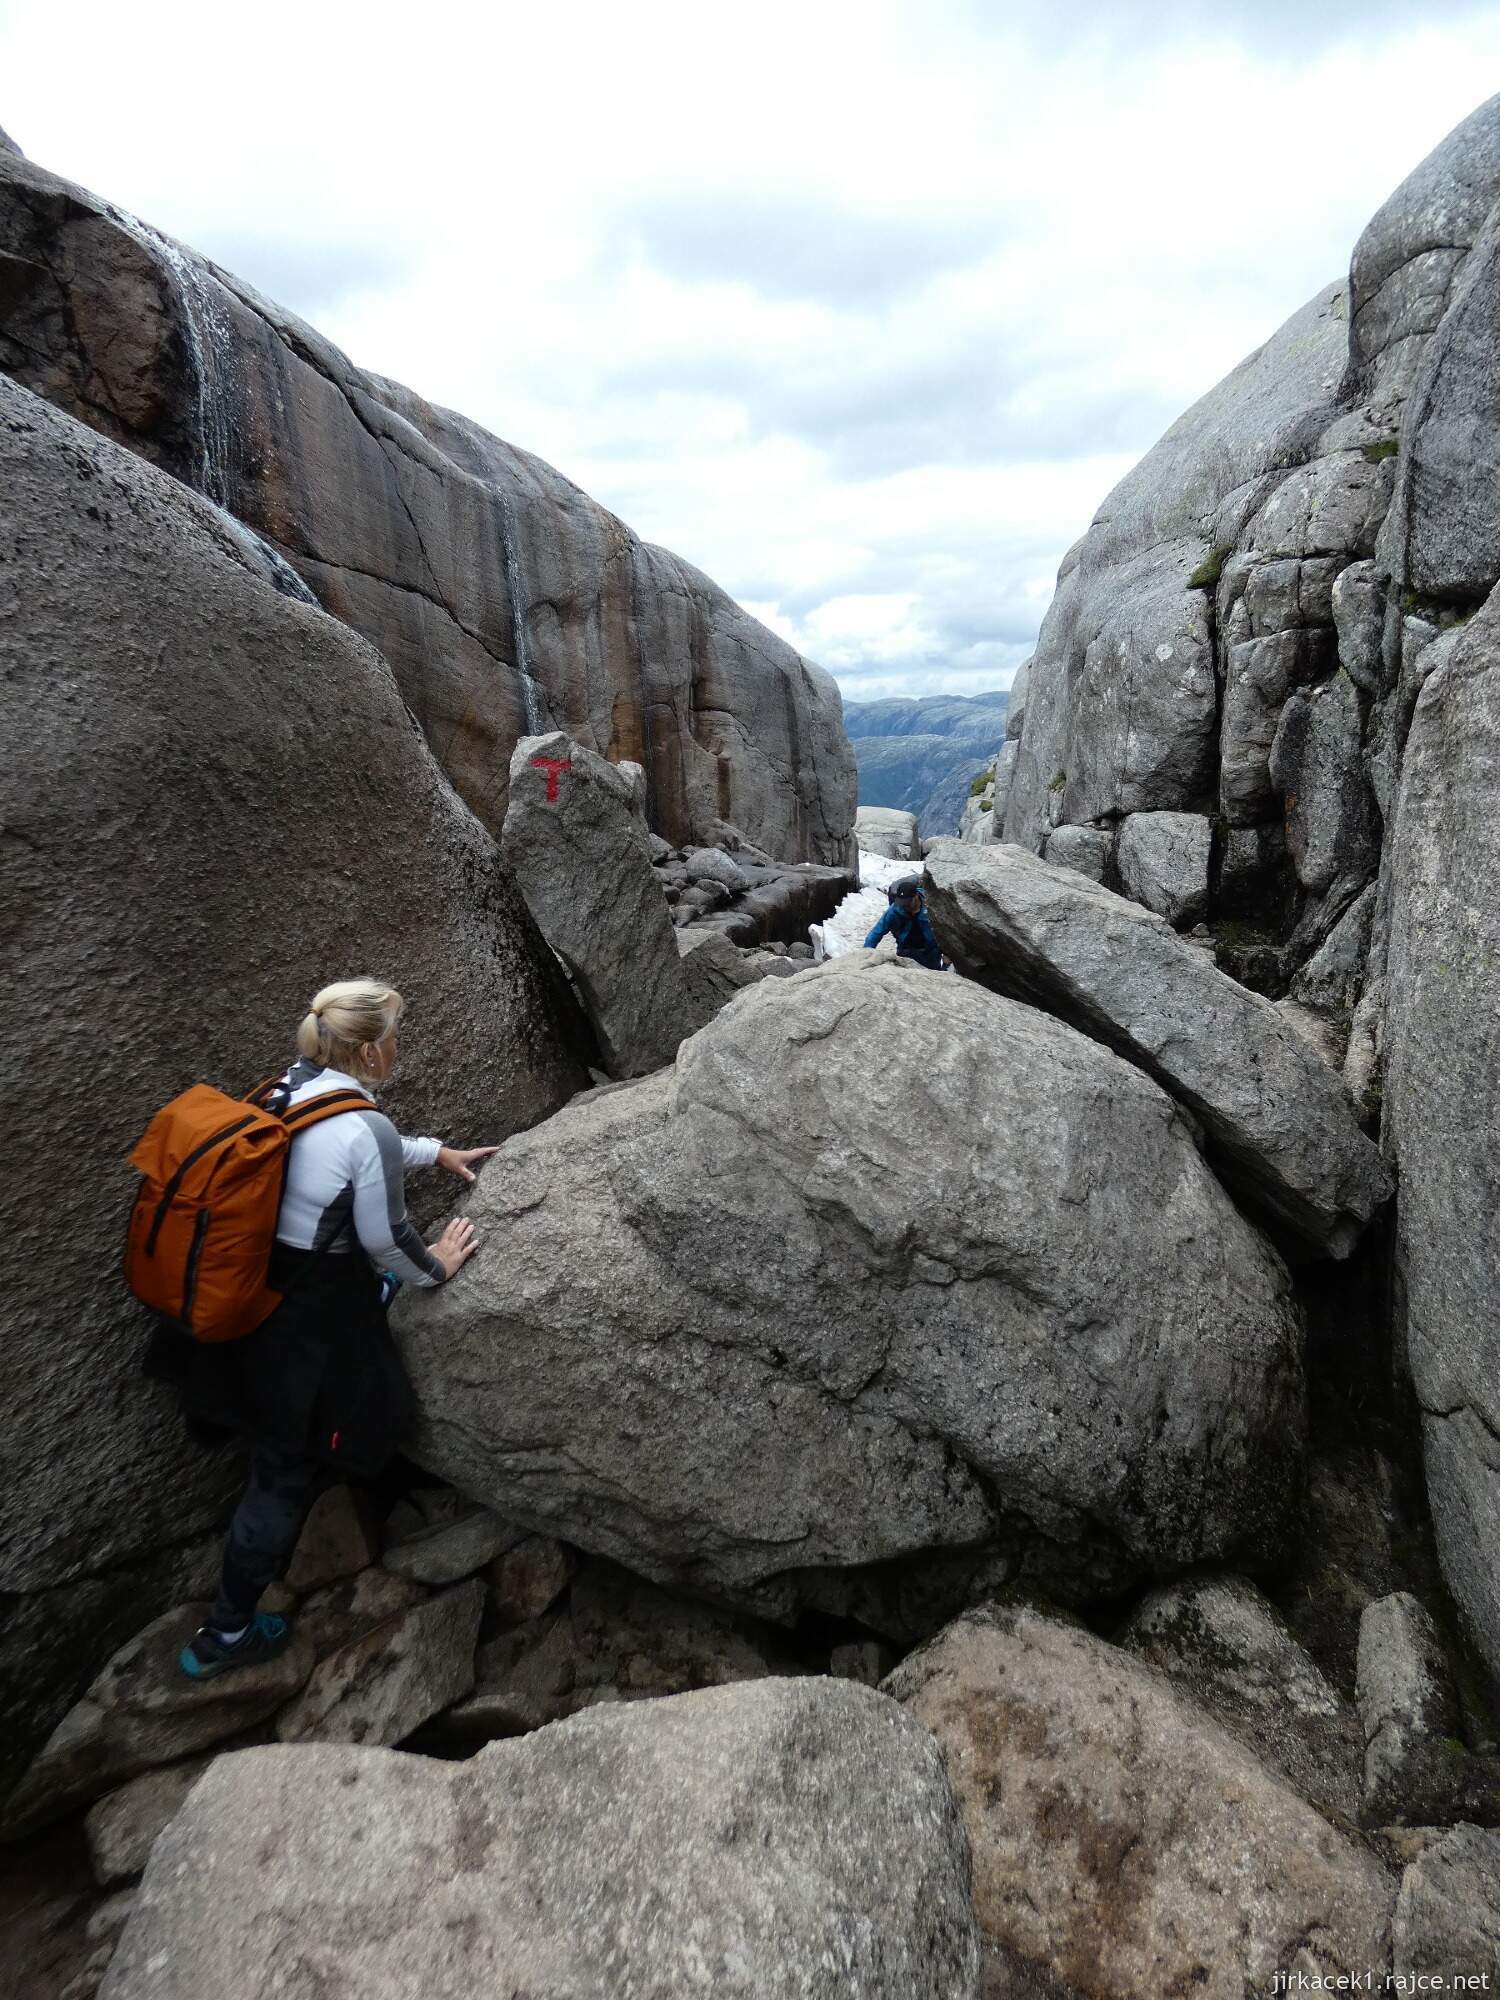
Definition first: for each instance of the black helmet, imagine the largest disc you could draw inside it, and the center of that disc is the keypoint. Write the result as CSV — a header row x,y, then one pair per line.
x,y
908,885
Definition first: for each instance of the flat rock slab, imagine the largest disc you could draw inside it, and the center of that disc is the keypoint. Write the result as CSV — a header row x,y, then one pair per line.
x,y
452,1550
1277,1121
143,1710
792,1307
382,1686
1220,1641
1124,1843
346,1610
788,1840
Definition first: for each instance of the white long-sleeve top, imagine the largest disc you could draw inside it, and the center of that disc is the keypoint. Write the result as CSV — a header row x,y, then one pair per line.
x,y
345,1182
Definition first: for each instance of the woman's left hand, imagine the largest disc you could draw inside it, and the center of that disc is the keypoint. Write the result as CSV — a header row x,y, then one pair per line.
x,y
463,1164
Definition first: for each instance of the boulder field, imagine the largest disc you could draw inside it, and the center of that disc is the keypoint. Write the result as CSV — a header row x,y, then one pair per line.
x,y
1094,1346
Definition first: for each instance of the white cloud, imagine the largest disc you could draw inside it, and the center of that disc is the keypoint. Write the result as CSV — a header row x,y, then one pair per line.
x,y
860,307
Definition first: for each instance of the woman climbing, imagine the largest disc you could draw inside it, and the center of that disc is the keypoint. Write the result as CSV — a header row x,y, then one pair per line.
x,y
319,1383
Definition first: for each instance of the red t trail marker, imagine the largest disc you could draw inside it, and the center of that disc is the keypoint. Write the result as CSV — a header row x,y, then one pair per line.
x,y
552,766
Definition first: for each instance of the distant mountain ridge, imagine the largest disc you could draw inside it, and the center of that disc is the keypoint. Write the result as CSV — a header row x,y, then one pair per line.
x,y
921,752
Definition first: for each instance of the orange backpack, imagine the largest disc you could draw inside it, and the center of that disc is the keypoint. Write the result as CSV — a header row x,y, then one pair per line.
x,y
199,1245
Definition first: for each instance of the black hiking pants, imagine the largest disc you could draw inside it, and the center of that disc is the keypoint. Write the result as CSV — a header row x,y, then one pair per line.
x,y
264,1530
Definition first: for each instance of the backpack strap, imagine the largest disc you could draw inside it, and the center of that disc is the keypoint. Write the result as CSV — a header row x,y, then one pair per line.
x,y
332,1104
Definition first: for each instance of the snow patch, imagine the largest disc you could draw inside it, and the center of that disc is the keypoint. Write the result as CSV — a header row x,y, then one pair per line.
x,y
854,918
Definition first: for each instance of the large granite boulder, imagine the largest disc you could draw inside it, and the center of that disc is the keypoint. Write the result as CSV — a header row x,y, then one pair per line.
x,y
1276,1118
214,802
1125,1843
582,855
784,1840
794,1307
1163,862
1442,1099
507,602
887,831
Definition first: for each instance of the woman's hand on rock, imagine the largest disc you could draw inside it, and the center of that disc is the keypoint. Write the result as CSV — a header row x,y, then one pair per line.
x,y
463,1163
455,1246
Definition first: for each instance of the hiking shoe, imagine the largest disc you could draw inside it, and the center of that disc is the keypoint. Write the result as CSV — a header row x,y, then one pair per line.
x,y
206,1654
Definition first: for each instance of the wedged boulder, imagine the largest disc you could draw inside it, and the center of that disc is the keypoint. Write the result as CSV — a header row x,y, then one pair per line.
x,y
1124,1842
1089,850
1317,764
380,1687
1259,675
1332,978
1277,1121
1442,1101
581,853
792,1307
529,1578
788,1840
887,831
505,599
155,783
1163,862
1219,1641
143,1711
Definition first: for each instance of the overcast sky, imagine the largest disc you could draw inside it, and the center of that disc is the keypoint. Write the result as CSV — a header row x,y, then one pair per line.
x,y
861,308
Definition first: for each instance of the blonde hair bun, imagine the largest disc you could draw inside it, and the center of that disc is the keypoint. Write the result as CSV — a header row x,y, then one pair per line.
x,y
345,1018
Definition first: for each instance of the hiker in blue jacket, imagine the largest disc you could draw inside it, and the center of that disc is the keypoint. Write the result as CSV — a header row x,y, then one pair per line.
x,y
907,919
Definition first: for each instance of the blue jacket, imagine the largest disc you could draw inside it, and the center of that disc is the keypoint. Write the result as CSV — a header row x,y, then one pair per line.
x,y
914,936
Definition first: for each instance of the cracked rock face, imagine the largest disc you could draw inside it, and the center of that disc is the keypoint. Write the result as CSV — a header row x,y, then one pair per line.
x,y
785,1840
793,1307
1443,1098
506,601
1124,1843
